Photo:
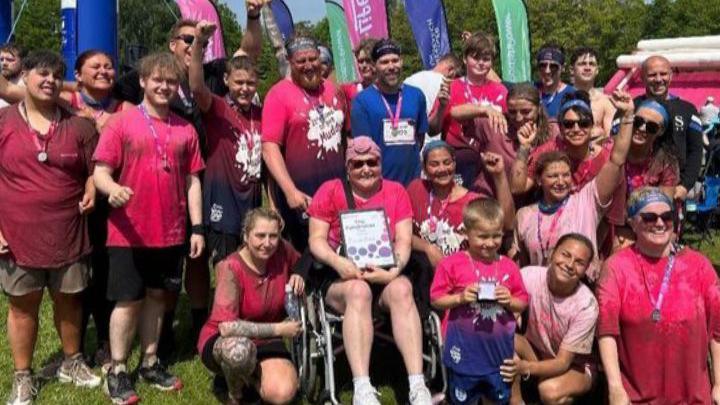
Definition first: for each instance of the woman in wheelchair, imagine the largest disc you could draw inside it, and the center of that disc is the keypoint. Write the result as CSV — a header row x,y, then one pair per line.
x,y
350,290
242,340
651,161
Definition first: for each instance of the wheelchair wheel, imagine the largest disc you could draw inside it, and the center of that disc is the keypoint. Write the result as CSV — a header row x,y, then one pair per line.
x,y
305,351
434,370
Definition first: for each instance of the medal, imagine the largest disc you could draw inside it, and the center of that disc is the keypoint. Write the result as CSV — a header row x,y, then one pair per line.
x,y
656,315
42,156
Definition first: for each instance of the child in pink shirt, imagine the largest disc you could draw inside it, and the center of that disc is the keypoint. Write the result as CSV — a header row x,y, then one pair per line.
x,y
481,290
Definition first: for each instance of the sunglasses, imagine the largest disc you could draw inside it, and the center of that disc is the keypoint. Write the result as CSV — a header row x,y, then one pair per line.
x,y
584,123
652,128
554,67
188,39
651,217
359,164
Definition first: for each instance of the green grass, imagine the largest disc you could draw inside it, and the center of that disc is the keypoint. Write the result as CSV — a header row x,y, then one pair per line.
x,y
388,373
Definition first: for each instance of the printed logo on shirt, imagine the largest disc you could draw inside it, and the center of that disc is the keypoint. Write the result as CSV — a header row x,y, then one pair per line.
x,y
455,354
216,213
460,394
679,123
249,161
324,126
486,310
439,232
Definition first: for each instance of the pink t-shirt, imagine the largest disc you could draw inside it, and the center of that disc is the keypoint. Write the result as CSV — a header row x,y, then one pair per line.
x,y
663,362
438,222
243,294
330,201
556,323
462,135
39,215
581,214
156,214
308,127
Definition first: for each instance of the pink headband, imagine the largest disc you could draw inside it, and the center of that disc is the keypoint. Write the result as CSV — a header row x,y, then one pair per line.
x,y
361,145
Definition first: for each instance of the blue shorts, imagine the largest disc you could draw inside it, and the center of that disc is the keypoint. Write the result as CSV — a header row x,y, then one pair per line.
x,y
467,389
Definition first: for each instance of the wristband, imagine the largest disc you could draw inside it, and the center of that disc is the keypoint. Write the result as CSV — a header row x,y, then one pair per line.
x,y
198,230
253,16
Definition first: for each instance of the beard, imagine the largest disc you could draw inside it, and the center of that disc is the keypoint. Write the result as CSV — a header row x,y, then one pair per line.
x,y
309,84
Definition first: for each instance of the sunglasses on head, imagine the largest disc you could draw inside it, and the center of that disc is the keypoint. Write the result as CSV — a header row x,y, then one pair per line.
x,y
651,217
652,128
359,164
583,123
549,65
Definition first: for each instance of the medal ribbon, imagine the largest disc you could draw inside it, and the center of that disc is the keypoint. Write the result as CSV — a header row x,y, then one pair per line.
x,y
249,120
41,147
162,152
657,302
395,118
551,231
468,93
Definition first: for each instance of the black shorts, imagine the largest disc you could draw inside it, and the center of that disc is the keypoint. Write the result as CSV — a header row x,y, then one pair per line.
x,y
132,270
221,245
269,349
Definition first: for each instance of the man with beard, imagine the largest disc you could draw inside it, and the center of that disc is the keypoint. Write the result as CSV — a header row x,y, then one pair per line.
x,y
685,128
550,62
11,56
393,114
302,141
585,69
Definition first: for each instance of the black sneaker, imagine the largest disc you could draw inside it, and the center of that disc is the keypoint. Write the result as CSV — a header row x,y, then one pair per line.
x,y
160,378
119,388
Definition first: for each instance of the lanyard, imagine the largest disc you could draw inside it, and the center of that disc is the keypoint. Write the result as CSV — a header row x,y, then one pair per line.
x,y
249,120
315,102
187,102
544,249
477,270
398,107
468,93
433,220
657,302
162,152
42,154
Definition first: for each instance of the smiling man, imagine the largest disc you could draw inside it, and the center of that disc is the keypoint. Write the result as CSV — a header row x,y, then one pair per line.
x,y
685,128
550,62
393,114
302,123
585,68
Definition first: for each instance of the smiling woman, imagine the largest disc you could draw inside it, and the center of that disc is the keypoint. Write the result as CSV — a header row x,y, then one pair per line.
x,y
656,297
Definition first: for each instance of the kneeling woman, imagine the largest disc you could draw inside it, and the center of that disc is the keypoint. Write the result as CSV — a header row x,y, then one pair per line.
x,y
242,340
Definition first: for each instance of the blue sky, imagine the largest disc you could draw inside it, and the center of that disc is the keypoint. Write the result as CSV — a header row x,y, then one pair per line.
x,y
302,10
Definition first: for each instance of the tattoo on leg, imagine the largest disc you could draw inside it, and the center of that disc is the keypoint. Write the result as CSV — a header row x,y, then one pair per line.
x,y
237,356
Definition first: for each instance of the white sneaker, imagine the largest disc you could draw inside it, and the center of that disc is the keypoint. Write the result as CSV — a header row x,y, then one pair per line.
x,y
366,396
23,389
420,395
75,371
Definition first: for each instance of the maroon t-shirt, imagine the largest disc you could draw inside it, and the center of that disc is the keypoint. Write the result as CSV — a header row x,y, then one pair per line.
x,y
39,214
243,294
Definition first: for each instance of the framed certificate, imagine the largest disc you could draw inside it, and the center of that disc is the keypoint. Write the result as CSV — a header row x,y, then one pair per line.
x,y
366,237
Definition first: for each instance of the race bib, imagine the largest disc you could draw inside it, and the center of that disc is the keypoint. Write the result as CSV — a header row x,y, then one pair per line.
x,y
404,134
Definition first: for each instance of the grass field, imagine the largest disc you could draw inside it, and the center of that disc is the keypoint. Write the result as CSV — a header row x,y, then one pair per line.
x,y
388,371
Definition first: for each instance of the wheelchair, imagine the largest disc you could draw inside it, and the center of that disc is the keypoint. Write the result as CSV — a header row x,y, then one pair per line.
x,y
314,351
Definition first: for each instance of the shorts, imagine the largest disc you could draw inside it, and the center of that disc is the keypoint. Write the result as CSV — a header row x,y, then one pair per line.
x,y
268,349
467,389
17,281
132,270
221,245
529,387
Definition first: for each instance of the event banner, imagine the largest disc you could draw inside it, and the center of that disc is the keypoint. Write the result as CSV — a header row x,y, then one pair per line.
x,y
342,50
205,10
511,16
365,18
283,18
427,19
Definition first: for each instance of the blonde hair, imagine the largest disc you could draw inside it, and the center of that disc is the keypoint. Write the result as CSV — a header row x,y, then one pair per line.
x,y
253,215
164,62
482,210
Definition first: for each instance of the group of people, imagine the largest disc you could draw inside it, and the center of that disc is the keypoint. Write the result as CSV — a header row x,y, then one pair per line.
x,y
539,219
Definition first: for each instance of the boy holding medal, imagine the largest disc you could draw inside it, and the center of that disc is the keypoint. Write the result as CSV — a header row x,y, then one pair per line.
x,y
481,289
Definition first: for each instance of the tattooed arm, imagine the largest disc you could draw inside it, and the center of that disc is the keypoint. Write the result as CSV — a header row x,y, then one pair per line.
x,y
226,311
520,182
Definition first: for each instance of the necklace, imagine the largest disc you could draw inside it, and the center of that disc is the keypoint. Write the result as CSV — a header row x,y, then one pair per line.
x,y
41,141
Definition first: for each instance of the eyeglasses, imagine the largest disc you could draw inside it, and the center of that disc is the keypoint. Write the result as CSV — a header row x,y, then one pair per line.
x,y
554,67
359,164
651,217
584,123
652,128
